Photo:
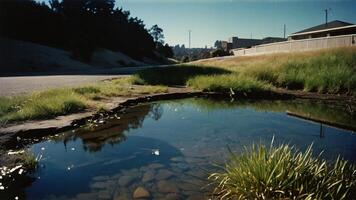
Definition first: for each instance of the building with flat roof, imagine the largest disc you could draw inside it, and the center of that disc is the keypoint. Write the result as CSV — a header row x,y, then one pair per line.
x,y
236,42
334,28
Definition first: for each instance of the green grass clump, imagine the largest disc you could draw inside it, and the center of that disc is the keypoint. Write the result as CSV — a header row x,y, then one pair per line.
x,y
87,90
228,83
29,160
174,75
41,105
284,173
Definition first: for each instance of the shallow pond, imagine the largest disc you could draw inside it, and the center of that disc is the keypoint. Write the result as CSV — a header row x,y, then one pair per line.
x,y
168,147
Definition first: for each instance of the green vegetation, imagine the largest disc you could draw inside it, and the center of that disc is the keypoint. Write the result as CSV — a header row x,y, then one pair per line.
x,y
41,105
29,160
284,173
226,83
174,75
325,71
55,102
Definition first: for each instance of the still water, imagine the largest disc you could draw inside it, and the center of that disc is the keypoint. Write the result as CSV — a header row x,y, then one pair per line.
x,y
169,147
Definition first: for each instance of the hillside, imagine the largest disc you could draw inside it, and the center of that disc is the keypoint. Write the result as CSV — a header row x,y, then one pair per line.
x,y
19,56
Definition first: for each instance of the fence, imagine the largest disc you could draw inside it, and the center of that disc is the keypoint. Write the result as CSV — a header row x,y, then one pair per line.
x,y
299,45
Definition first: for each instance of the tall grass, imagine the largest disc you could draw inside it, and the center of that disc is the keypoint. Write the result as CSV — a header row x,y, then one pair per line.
x,y
284,173
41,105
228,83
324,71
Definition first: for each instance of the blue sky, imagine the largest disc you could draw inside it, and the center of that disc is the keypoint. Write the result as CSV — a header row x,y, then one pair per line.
x,y
212,20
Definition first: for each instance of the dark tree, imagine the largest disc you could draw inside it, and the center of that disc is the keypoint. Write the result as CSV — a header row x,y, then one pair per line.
x,y
219,53
79,26
218,44
157,34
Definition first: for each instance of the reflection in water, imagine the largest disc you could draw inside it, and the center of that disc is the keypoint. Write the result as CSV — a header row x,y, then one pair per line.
x,y
169,146
110,129
322,134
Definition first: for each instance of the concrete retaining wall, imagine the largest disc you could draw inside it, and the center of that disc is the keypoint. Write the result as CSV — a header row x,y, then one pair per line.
x,y
299,45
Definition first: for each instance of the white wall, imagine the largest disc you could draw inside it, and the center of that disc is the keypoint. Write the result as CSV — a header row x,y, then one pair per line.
x,y
298,45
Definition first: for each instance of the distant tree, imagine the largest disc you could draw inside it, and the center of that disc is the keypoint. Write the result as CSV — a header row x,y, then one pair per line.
x,y
219,53
157,34
168,52
205,54
165,50
218,44
185,59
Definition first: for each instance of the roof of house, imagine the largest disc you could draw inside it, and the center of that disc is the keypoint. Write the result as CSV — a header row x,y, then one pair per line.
x,y
332,24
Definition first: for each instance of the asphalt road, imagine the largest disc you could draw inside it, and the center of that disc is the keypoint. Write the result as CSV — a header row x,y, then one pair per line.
x,y
18,85
11,86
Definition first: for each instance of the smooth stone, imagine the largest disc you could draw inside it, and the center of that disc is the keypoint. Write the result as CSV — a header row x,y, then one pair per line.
x,y
126,180
167,187
122,197
122,194
148,176
188,187
196,197
155,166
177,159
182,166
86,196
99,185
172,196
104,195
141,193
164,174
144,168
194,160
101,178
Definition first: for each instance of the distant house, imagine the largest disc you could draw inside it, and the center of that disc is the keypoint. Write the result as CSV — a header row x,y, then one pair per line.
x,y
333,28
236,42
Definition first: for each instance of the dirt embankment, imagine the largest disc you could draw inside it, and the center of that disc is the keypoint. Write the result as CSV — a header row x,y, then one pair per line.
x,y
20,57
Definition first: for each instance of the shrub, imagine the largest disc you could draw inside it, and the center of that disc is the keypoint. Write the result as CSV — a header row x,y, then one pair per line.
x,y
283,173
174,75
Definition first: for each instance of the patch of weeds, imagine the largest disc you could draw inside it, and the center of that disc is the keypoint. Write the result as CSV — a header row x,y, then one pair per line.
x,y
283,172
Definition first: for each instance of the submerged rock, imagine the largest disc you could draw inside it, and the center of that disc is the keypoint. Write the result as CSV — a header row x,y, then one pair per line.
x,y
155,166
148,176
172,196
164,174
101,178
177,159
196,196
126,180
141,192
167,187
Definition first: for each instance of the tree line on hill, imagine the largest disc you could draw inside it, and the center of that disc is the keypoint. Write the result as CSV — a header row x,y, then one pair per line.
x,y
191,54
81,27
